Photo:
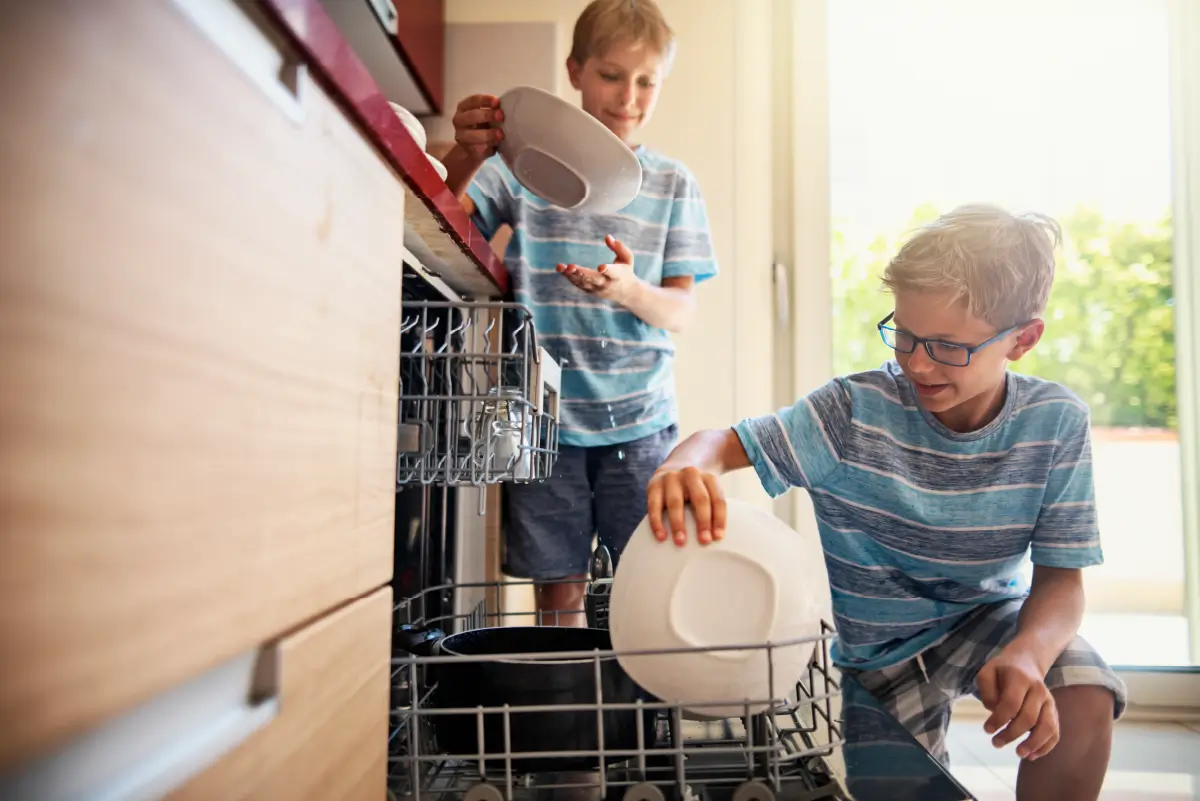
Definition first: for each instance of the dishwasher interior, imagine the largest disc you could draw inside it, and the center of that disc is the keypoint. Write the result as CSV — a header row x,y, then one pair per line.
x,y
479,407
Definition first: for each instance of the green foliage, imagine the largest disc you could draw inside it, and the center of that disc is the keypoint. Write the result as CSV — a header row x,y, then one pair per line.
x,y
1110,325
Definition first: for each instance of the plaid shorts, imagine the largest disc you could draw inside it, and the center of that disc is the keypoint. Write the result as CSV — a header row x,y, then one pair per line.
x,y
920,692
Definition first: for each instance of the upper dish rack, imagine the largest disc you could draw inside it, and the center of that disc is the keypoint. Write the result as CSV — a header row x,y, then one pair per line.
x,y
478,397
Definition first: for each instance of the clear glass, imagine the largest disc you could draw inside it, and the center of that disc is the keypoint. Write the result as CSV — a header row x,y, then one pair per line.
x,y
1063,108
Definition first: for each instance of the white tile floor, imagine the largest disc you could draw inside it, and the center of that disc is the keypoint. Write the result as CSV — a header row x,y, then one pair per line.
x,y
1150,762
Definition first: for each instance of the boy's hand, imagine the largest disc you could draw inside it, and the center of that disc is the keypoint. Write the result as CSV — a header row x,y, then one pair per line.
x,y
474,125
672,490
615,282
1012,688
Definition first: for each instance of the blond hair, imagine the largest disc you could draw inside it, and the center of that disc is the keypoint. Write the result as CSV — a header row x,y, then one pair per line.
x,y
1000,264
605,23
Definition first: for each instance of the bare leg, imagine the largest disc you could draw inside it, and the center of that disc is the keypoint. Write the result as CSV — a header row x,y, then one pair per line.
x,y
561,603
1074,770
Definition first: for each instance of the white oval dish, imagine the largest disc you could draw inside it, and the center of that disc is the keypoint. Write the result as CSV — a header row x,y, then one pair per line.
x,y
414,126
764,582
564,155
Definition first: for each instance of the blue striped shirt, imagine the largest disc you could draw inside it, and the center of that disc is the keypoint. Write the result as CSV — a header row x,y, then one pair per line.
x,y
618,381
921,524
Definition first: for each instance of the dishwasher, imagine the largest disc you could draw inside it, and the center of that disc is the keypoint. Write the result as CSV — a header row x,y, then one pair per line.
x,y
479,407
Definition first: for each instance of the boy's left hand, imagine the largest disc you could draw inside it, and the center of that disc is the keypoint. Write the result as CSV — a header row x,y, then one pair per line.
x,y
1013,689
615,281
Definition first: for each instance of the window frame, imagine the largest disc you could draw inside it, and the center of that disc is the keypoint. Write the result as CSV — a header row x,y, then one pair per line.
x,y
803,237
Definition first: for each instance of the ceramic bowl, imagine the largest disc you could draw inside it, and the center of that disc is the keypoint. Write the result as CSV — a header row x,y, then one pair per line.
x,y
564,155
439,166
414,126
763,582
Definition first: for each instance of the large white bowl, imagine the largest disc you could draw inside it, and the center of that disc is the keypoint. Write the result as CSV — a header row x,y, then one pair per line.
x,y
564,155
763,583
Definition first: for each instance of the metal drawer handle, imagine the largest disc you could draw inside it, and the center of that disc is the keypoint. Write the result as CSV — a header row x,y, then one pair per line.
x,y
152,750
251,42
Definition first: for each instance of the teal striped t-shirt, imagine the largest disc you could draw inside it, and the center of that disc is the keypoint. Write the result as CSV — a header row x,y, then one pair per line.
x,y
920,525
618,381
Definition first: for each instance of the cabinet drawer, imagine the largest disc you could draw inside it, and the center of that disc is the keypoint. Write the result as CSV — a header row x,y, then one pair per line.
x,y
329,741
199,322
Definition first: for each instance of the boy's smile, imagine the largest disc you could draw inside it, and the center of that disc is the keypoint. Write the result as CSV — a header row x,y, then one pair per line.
x,y
620,88
931,390
962,398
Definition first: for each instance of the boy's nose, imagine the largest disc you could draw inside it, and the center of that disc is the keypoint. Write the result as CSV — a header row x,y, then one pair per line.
x,y
628,95
919,360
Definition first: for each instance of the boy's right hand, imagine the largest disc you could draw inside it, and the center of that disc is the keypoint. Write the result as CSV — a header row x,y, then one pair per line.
x,y
475,122
672,489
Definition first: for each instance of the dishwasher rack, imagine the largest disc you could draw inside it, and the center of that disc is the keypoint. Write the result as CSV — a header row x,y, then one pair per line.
x,y
753,758
478,397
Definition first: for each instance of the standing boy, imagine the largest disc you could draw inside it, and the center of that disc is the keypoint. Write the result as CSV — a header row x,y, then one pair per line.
x,y
607,325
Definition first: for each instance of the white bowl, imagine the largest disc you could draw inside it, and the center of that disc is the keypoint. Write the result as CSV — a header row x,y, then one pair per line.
x,y
414,126
439,166
564,155
762,583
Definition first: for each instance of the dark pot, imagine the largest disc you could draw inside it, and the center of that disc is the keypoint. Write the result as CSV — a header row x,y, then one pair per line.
x,y
529,682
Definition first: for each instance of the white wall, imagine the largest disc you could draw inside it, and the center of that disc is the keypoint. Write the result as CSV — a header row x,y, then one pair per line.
x,y
715,116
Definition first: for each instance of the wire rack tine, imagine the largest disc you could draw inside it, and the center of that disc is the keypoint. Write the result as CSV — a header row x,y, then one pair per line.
x,y
466,386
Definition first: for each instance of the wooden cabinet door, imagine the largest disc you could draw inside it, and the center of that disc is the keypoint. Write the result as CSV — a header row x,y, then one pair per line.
x,y
329,741
199,330
421,34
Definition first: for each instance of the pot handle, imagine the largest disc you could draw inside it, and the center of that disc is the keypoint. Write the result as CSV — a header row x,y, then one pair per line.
x,y
602,563
418,641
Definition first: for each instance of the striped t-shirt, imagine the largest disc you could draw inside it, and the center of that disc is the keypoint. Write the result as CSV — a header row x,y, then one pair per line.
x,y
921,524
618,380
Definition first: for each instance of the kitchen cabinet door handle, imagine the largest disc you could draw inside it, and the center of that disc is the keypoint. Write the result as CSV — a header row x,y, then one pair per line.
x,y
150,751
251,42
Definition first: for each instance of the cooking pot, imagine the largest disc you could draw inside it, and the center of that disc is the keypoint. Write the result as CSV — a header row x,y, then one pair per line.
x,y
528,674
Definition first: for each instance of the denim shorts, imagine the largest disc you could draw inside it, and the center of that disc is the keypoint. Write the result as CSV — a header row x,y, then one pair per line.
x,y
594,492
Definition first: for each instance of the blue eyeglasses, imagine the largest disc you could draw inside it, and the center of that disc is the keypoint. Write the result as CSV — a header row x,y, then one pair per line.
x,y
950,354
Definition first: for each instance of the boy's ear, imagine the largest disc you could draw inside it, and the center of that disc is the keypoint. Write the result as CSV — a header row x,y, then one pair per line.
x,y
574,72
1027,339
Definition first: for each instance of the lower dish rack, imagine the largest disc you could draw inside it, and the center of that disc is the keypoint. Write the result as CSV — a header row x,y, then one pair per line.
x,y
479,398
756,757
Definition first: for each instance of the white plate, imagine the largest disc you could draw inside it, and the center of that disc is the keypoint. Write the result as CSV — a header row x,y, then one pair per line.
x,y
762,583
564,155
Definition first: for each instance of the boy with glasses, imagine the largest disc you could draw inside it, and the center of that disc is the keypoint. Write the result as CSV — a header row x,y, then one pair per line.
x,y
933,479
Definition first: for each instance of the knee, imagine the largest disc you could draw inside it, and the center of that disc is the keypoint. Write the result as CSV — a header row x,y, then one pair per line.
x,y
1085,713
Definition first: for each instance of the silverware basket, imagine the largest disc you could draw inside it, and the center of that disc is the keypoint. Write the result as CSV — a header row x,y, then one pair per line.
x,y
478,397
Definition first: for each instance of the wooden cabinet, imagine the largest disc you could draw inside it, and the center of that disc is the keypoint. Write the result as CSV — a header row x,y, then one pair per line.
x,y
421,36
329,740
199,322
